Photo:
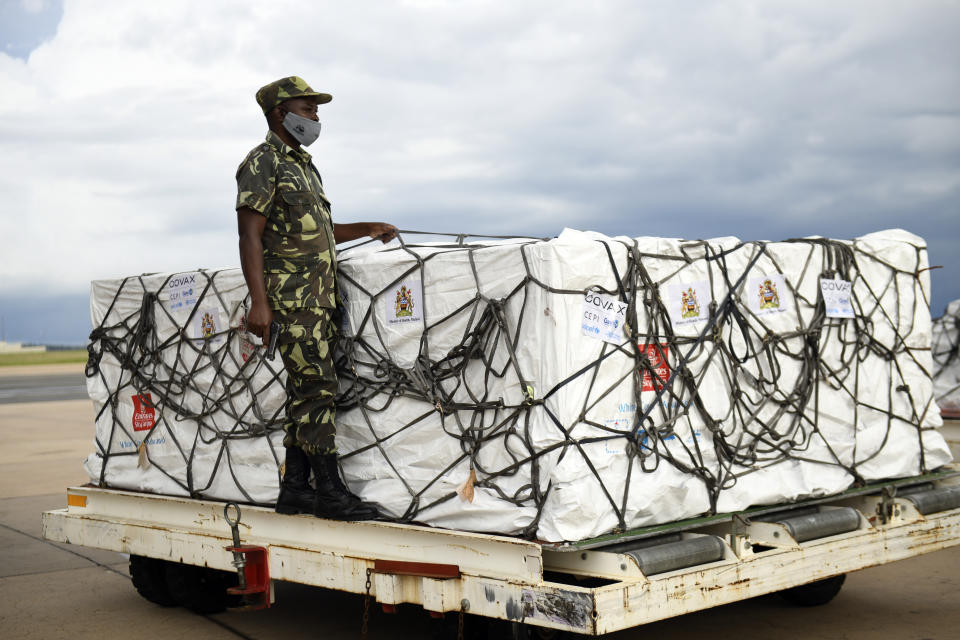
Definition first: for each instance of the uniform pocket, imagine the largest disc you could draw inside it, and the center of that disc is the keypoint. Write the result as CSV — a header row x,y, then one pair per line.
x,y
303,211
300,199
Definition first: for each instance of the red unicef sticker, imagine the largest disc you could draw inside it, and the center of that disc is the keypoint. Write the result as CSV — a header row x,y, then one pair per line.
x,y
144,415
657,355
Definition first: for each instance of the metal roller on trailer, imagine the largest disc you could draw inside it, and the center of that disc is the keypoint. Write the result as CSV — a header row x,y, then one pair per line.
x,y
182,550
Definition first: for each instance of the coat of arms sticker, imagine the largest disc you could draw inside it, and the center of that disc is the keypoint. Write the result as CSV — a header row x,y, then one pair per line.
x,y
689,302
768,294
404,302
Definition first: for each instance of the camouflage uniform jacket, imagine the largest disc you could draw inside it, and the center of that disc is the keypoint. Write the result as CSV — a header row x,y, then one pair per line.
x,y
299,252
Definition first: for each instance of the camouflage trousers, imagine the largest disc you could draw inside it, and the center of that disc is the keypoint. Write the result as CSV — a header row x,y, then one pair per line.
x,y
305,343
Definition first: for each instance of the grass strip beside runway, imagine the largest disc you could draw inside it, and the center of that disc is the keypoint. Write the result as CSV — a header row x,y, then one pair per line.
x,y
43,357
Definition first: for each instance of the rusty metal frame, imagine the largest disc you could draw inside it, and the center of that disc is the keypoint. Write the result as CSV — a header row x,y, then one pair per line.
x,y
500,577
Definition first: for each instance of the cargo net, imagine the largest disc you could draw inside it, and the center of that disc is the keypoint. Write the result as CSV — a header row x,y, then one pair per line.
x,y
184,400
202,386
946,360
772,416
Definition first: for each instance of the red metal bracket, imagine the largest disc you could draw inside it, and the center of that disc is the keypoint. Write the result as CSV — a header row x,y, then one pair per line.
x,y
421,569
256,595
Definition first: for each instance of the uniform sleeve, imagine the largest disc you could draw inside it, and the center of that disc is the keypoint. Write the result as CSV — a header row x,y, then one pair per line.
x,y
257,180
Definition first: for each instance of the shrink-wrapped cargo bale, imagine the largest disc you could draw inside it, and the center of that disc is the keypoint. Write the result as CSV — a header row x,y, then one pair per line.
x,y
557,389
184,403
946,360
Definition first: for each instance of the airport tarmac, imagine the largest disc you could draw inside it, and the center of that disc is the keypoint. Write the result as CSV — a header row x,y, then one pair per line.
x,y
53,591
45,383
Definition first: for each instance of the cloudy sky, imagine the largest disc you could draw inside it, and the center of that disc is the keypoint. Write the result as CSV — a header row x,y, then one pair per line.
x,y
122,124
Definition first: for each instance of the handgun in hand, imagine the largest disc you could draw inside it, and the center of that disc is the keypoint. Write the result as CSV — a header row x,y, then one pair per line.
x,y
272,344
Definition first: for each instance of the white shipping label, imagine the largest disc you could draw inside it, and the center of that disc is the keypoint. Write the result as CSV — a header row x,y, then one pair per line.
x,y
603,317
183,290
247,346
837,298
768,294
404,302
245,340
207,325
690,302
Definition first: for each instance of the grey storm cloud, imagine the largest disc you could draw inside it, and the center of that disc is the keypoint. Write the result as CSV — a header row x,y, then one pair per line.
x,y
690,119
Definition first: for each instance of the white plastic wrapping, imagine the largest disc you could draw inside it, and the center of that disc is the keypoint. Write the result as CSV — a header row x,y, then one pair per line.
x,y
478,397
583,488
184,405
946,359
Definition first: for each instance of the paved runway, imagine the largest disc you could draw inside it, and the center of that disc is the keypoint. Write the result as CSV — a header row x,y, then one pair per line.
x,y
70,592
43,387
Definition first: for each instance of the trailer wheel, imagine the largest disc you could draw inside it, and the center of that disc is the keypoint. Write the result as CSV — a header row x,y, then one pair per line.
x,y
149,577
200,589
506,630
530,632
815,593
447,627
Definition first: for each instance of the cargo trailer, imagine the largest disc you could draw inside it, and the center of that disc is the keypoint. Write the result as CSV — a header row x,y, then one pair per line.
x,y
194,552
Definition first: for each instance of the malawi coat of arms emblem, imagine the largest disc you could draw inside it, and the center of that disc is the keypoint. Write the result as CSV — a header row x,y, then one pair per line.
x,y
689,307
404,302
769,298
207,326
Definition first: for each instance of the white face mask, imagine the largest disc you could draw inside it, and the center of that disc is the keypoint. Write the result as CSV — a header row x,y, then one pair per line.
x,y
304,130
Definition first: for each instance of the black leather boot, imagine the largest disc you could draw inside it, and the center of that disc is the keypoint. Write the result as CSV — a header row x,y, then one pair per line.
x,y
335,474
296,494
332,498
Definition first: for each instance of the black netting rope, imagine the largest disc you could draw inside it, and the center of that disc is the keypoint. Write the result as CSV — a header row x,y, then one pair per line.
x,y
166,370
752,371
749,353
946,355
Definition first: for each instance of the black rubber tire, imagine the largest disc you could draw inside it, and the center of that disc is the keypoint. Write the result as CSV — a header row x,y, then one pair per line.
x,y
200,589
445,628
815,593
480,628
149,577
505,630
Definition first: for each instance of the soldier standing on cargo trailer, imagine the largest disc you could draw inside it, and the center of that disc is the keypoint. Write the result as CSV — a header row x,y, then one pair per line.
x,y
288,254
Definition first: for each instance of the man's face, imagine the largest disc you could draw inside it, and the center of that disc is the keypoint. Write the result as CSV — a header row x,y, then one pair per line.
x,y
305,107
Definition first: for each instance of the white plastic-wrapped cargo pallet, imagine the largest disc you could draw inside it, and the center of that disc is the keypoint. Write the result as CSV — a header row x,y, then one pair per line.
x,y
184,403
563,389
946,360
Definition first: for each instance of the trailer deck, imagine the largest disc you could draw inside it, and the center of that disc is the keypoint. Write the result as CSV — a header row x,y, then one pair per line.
x,y
592,588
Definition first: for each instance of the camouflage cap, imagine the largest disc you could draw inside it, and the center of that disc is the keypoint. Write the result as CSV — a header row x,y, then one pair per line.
x,y
269,96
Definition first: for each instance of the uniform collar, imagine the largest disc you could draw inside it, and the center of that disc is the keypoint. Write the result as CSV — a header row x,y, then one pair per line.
x,y
300,154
